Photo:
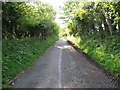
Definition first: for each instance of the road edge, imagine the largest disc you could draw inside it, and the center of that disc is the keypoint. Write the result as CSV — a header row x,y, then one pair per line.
x,y
15,78
114,80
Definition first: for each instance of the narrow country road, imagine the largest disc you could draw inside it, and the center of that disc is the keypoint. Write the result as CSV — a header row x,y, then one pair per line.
x,y
62,67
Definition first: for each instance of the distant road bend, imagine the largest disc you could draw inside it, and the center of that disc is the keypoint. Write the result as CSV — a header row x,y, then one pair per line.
x,y
62,67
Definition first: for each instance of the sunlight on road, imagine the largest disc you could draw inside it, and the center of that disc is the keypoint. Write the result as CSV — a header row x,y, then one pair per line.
x,y
58,47
62,39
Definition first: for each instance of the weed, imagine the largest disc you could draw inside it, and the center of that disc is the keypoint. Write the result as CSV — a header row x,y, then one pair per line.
x,y
18,54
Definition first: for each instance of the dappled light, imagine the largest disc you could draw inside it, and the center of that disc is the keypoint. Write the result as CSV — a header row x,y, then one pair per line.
x,y
94,27
60,43
59,47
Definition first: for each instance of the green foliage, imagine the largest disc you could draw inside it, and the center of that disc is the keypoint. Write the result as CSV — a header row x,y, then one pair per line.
x,y
19,54
91,17
105,51
6,86
22,19
95,28
29,29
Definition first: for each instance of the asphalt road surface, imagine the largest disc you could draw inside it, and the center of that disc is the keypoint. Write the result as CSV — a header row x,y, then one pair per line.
x,y
62,67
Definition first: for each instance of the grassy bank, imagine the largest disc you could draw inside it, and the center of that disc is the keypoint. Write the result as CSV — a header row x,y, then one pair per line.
x,y
19,54
105,51
0,63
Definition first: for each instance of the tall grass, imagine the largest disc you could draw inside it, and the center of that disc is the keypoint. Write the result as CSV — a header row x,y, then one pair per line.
x,y
105,51
18,54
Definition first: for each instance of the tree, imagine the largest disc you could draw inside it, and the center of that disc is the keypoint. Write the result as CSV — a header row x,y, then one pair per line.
x,y
89,18
22,19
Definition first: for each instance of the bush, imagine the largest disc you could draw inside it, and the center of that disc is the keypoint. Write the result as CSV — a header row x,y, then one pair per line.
x,y
19,54
105,51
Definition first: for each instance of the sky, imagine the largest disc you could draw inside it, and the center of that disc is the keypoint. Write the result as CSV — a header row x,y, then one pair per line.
x,y
56,4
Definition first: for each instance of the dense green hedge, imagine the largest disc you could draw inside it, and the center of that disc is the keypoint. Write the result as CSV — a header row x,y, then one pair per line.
x,y
105,51
18,54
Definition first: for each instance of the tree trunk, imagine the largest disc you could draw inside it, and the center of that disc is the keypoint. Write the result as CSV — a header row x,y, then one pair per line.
x,y
118,25
101,30
112,21
109,23
105,25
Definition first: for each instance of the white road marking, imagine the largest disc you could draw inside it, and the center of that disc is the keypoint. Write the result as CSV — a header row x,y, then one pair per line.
x,y
60,77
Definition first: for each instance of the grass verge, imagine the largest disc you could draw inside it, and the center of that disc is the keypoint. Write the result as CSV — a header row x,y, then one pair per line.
x,y
19,54
105,51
